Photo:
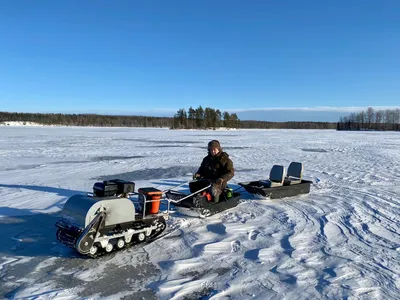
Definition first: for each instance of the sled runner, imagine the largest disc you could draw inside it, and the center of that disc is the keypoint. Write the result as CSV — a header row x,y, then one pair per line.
x,y
280,184
200,202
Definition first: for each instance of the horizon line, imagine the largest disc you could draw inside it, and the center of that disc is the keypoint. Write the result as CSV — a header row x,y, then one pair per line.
x,y
235,110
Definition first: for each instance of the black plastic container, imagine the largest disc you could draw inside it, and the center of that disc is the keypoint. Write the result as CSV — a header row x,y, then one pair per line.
x,y
113,187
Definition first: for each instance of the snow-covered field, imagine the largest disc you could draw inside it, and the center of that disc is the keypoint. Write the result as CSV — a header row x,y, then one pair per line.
x,y
339,242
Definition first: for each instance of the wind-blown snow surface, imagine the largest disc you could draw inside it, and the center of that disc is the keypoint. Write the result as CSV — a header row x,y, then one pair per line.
x,y
340,241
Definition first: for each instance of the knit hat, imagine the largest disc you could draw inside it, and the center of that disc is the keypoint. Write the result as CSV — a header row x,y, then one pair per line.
x,y
214,144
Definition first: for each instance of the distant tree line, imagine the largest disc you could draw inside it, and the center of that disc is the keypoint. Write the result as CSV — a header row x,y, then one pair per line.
x,y
200,118
371,120
210,119
87,120
286,125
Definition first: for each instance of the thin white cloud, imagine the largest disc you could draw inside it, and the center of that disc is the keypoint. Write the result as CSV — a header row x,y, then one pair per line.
x,y
313,109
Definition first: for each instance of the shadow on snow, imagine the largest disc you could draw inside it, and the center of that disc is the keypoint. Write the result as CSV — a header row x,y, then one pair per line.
x,y
28,233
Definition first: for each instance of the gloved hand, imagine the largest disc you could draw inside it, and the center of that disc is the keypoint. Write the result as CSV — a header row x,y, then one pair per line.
x,y
196,176
219,182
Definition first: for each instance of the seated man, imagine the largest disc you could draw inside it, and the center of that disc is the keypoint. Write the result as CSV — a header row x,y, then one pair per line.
x,y
216,167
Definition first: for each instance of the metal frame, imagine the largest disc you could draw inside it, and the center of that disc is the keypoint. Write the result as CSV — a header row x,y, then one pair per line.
x,y
163,198
190,195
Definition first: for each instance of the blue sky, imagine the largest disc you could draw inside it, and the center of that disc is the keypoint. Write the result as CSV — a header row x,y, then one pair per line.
x,y
154,57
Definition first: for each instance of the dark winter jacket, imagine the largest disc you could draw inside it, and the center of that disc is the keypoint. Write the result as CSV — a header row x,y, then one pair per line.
x,y
218,166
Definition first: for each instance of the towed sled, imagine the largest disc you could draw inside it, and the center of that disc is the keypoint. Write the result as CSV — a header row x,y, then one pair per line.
x,y
200,202
280,185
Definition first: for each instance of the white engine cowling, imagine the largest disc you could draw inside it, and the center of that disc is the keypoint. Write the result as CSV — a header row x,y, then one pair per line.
x,y
79,210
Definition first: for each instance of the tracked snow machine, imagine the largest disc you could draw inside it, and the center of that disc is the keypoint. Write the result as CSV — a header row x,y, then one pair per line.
x,y
114,216
109,219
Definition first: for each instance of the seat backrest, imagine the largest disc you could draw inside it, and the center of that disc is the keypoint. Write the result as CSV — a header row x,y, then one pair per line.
x,y
277,174
295,170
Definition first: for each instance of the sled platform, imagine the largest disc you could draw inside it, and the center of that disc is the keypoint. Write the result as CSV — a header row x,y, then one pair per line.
x,y
263,188
199,205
